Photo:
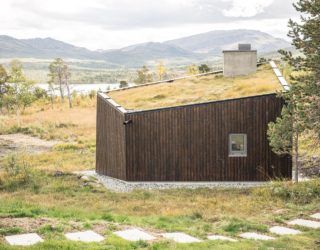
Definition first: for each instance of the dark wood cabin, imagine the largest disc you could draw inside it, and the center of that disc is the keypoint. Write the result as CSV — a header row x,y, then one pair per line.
x,y
219,140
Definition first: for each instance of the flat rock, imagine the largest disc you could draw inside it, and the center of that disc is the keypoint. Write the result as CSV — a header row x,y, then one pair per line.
x,y
283,230
255,236
315,216
23,239
221,237
86,236
305,223
180,237
134,235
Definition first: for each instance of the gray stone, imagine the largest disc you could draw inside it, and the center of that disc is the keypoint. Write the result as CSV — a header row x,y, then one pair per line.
x,y
23,239
85,178
315,216
221,237
86,236
255,236
180,237
305,223
283,230
134,235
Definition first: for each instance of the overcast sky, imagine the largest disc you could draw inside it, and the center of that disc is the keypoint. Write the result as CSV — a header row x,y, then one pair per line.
x,y
107,24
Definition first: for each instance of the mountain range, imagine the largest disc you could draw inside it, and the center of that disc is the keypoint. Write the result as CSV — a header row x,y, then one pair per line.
x,y
197,48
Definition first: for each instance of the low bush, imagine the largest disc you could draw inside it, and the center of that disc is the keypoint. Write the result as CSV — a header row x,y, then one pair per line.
x,y
15,173
302,192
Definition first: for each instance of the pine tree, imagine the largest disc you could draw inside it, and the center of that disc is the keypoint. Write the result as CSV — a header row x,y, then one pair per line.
x,y
302,110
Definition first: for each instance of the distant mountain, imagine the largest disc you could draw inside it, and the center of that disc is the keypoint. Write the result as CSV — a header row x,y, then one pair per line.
x,y
43,48
214,42
146,52
191,49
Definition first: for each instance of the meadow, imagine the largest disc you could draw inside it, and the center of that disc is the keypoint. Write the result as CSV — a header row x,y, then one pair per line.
x,y
40,193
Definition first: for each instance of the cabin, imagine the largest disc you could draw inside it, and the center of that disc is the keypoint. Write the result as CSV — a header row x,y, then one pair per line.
x,y
205,127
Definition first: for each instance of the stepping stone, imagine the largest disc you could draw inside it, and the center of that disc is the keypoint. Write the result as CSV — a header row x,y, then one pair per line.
x,y
283,230
305,223
86,236
255,236
134,235
23,239
221,237
315,216
180,237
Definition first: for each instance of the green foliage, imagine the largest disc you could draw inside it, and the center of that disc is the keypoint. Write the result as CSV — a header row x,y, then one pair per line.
x,y
262,60
143,75
40,93
301,193
3,75
280,133
204,68
16,174
93,93
20,93
303,99
123,84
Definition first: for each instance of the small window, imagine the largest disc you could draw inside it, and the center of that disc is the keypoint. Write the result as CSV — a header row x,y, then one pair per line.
x,y
237,145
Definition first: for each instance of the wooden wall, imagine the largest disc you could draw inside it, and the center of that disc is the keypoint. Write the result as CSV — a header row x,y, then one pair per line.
x,y
190,143
110,151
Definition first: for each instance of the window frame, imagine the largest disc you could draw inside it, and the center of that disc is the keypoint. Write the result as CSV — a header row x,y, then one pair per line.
x,y
244,152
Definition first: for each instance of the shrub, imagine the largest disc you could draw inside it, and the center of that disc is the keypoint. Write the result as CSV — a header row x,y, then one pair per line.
x,y
16,174
92,94
302,192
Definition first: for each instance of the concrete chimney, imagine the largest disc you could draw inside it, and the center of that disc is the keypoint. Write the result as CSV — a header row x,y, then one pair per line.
x,y
239,62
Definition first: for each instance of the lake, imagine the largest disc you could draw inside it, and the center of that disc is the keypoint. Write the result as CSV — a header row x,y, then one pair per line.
x,y
84,88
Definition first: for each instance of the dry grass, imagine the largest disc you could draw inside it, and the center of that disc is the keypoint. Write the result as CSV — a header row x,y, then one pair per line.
x,y
198,89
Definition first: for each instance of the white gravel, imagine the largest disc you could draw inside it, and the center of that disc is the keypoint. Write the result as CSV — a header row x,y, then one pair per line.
x,y
126,186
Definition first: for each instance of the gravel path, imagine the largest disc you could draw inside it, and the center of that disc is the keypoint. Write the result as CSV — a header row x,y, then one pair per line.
x,y
125,186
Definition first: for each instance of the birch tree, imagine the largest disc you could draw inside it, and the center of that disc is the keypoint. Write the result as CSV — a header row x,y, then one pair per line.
x,y
59,75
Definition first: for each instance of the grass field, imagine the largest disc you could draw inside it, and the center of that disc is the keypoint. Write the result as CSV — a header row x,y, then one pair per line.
x,y
198,89
39,193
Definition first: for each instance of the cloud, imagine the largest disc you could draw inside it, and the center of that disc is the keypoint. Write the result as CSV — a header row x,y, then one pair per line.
x,y
117,23
247,8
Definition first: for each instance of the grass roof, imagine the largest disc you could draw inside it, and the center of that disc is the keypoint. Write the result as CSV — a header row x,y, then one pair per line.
x,y
197,89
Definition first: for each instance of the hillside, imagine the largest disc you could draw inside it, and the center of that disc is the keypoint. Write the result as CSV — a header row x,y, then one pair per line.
x,y
43,48
193,49
214,42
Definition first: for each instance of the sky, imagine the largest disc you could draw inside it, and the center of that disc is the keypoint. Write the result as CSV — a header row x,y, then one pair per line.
x,y
111,24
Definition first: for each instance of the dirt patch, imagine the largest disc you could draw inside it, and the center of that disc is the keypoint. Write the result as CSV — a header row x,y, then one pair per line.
x,y
14,143
26,224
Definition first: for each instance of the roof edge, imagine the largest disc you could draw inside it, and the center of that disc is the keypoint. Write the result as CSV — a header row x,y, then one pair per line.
x,y
280,77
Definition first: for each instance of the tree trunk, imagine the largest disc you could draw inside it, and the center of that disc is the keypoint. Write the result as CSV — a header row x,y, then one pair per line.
x,y
17,107
69,94
296,157
61,90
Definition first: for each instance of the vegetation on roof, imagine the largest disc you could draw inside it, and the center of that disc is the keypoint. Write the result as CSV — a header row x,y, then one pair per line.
x,y
197,89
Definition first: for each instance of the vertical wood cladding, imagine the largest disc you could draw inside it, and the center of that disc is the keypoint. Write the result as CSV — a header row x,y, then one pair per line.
x,y
190,143
110,150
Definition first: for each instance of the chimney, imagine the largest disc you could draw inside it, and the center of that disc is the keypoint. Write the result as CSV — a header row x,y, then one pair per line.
x,y
239,62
